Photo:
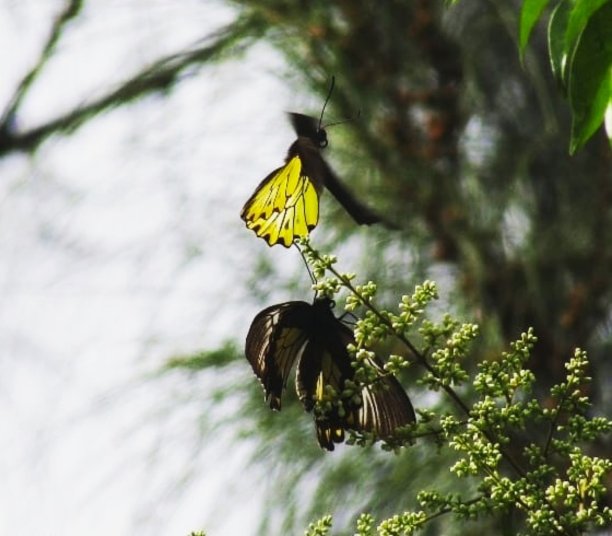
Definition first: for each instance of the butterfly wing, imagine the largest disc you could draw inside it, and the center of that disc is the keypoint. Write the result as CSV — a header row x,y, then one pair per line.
x,y
325,363
361,213
284,206
385,407
308,127
274,342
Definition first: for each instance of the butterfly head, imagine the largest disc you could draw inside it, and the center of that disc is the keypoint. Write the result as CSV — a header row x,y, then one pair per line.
x,y
308,127
323,303
321,138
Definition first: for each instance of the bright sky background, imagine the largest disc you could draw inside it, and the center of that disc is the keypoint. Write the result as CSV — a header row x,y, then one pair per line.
x,y
120,246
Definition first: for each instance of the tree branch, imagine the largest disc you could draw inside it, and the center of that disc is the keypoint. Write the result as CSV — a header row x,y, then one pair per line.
x,y
158,77
71,10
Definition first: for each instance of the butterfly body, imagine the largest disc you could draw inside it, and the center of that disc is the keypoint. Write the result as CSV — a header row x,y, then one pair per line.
x,y
311,336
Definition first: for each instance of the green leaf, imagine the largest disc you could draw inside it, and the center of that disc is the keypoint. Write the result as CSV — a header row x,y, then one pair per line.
x,y
530,13
590,77
579,17
557,28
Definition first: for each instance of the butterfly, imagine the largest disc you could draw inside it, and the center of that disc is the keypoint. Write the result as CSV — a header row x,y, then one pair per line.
x,y
285,205
311,336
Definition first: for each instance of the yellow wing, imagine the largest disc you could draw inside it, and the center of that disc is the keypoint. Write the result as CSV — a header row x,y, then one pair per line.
x,y
285,206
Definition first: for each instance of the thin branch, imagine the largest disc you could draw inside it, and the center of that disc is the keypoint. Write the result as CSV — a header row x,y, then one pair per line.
x,y
449,509
72,9
158,77
555,420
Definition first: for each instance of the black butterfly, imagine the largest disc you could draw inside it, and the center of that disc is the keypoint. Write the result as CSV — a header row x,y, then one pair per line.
x,y
285,205
310,334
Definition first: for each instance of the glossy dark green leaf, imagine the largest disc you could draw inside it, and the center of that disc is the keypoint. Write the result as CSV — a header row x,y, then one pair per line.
x,y
590,77
557,28
579,16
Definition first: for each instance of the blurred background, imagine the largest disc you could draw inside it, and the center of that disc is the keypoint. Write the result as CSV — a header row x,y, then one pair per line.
x,y
132,132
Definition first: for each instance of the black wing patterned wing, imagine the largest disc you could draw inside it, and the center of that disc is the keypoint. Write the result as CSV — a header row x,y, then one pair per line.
x,y
325,368
360,212
323,371
308,127
274,342
386,406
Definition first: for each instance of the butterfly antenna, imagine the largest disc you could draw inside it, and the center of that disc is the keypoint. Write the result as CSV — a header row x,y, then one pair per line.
x,y
349,120
331,88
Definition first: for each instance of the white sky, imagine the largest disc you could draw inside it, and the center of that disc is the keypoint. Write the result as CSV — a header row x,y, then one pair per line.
x,y
120,246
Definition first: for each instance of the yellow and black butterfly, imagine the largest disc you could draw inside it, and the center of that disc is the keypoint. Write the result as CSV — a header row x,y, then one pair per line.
x,y
312,336
285,205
